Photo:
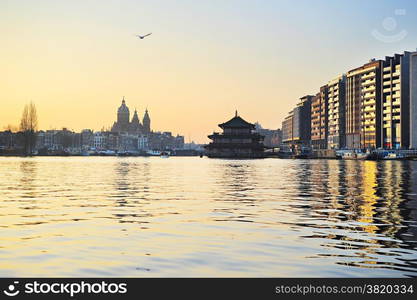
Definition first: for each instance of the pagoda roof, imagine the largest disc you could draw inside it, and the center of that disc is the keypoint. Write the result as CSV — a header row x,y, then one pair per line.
x,y
237,122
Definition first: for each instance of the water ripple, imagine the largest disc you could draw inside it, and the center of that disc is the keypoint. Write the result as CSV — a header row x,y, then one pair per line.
x,y
107,216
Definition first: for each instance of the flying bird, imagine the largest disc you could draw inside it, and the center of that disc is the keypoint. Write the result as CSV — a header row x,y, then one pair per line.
x,y
143,36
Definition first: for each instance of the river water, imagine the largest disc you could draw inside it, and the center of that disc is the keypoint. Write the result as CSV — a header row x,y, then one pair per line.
x,y
200,217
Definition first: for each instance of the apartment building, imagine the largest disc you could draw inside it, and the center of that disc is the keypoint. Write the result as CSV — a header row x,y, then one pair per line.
x,y
336,112
398,101
363,106
302,121
287,128
372,106
413,100
319,121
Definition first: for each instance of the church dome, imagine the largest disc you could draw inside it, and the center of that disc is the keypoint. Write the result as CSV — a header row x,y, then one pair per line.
x,y
123,108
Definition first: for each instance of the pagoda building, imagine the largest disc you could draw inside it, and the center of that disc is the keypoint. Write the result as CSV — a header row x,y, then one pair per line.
x,y
238,140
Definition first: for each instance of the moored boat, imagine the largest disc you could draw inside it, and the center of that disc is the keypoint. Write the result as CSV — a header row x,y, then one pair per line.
x,y
164,154
393,156
353,155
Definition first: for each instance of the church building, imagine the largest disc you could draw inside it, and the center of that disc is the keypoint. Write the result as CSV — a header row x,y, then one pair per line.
x,y
125,125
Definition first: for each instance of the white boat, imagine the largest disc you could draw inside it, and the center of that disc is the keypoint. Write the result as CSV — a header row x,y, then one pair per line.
x,y
393,155
355,155
159,153
107,153
164,154
153,152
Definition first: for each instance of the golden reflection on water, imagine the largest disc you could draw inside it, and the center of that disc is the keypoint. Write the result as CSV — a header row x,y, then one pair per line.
x,y
108,216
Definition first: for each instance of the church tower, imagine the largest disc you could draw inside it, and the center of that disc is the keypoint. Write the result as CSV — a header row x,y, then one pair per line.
x,y
146,122
123,114
135,126
135,118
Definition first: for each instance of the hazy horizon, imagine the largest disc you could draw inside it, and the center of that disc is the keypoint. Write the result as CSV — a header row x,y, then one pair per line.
x,y
76,60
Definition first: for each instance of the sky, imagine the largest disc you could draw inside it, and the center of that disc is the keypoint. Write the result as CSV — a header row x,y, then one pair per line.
x,y
205,59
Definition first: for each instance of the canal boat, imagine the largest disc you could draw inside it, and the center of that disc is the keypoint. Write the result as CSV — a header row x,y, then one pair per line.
x,y
393,156
164,154
353,155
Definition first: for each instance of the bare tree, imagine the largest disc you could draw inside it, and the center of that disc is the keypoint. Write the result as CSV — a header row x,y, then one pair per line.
x,y
28,126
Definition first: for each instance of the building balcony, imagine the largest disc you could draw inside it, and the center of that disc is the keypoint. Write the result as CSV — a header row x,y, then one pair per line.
x,y
367,76
369,89
368,115
369,96
368,110
368,122
369,130
368,83
368,118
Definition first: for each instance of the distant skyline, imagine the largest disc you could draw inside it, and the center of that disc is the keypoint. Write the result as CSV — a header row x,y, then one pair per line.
x,y
77,59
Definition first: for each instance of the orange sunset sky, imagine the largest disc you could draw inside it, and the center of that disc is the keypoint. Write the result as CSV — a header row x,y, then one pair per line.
x,y
76,59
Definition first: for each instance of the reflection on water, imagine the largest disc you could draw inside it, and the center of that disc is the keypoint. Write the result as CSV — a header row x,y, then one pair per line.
x,y
108,216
